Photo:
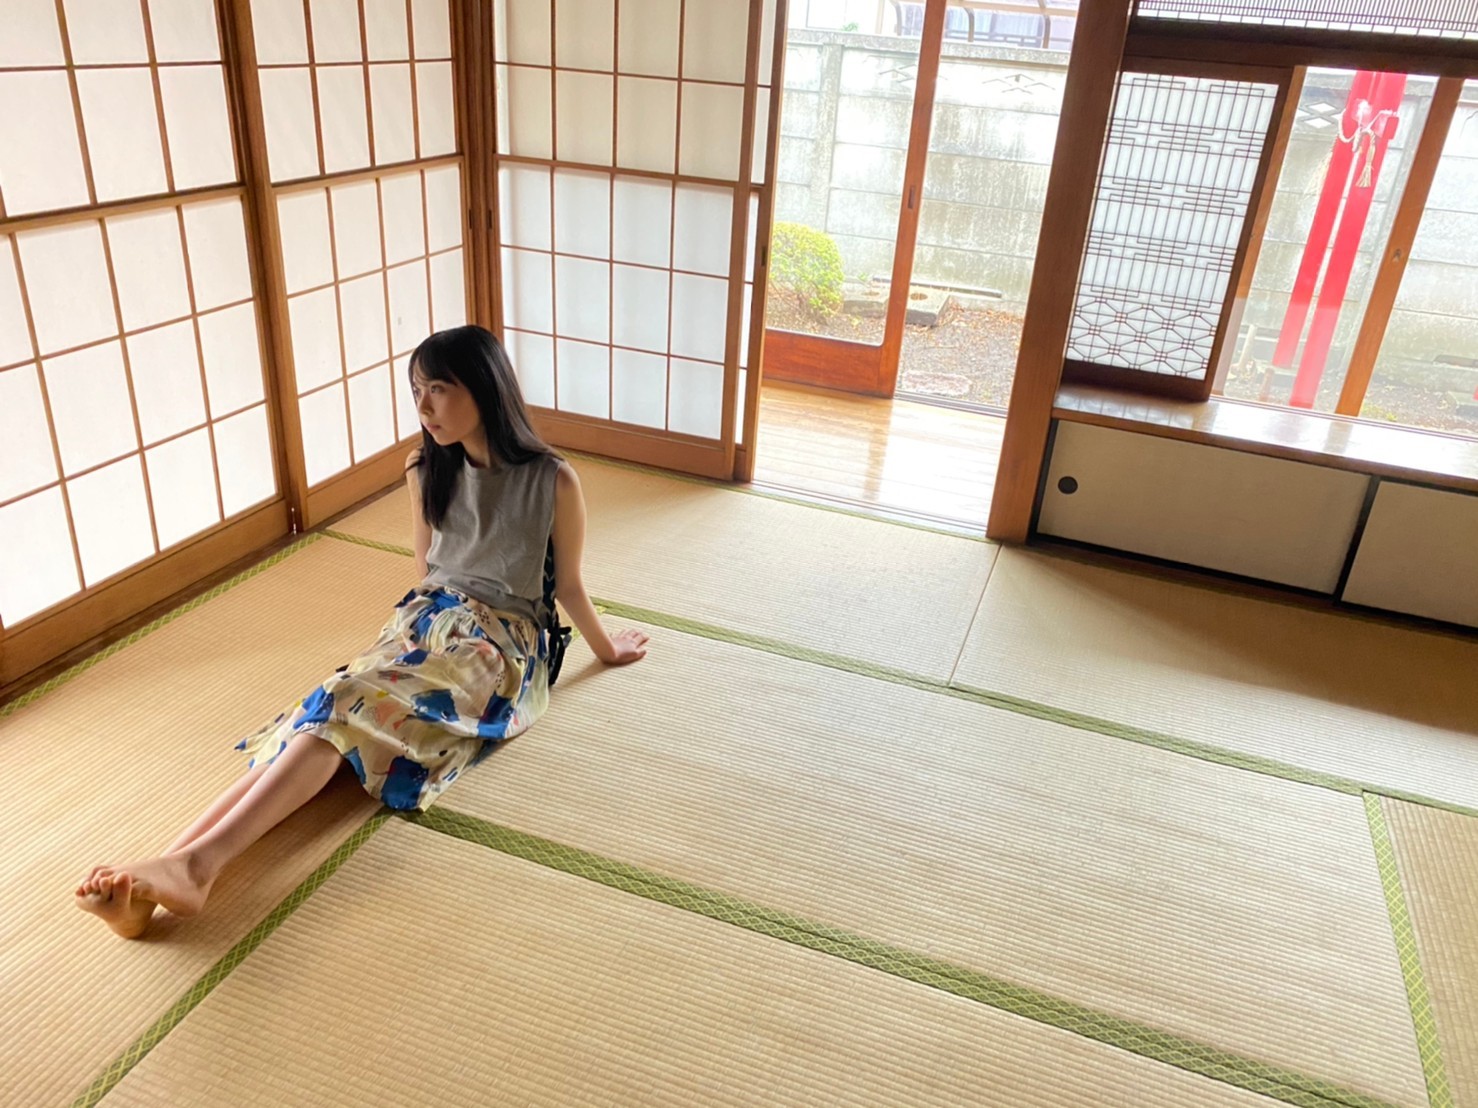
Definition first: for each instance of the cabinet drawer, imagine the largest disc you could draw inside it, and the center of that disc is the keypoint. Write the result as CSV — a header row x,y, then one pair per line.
x,y
1419,554
1208,506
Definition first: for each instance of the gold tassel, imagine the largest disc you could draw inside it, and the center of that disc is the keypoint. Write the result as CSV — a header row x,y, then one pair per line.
x,y
1364,181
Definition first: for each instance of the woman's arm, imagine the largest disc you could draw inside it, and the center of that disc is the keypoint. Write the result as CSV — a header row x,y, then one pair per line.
x,y
569,585
420,529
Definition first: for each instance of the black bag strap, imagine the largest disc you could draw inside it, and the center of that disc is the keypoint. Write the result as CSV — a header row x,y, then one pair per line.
x,y
559,635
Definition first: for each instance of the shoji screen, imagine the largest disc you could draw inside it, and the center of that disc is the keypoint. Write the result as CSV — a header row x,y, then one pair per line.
x,y
367,187
632,142
133,406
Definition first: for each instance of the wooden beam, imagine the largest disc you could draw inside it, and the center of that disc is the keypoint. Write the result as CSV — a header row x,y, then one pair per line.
x,y
1398,245
1087,105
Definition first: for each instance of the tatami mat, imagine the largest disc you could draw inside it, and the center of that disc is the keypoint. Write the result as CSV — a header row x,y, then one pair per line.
x,y
887,594
1437,854
1232,908
1390,706
113,764
429,970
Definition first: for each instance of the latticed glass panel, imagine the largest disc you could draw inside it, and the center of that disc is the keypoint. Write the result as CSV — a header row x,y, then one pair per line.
x,y
347,85
372,267
131,393
1445,18
616,288
1171,202
140,111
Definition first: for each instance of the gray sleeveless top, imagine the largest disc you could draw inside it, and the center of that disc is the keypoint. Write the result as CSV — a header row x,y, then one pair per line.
x,y
492,542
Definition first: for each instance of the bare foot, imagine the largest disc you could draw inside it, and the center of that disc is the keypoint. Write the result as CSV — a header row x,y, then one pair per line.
x,y
173,881
114,901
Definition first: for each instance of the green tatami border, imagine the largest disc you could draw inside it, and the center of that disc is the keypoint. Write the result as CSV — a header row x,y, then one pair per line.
x,y
1174,1050
1191,748
217,973
32,695
1428,1042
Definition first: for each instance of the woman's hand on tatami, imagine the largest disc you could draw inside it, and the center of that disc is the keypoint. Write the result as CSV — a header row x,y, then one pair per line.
x,y
627,647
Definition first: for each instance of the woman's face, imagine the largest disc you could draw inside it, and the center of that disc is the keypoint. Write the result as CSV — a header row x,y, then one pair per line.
x,y
446,409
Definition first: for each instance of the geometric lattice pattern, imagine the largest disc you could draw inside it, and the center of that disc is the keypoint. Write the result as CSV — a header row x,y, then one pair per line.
x,y
1441,18
1170,205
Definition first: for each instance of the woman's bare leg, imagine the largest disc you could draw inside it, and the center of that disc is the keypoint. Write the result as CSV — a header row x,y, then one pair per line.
x,y
181,880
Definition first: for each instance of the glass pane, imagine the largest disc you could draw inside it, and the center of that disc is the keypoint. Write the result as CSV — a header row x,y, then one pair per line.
x,y
525,112
1427,372
40,157
279,32
67,285
216,243
523,206
1343,170
385,30
985,181
287,108
233,360
584,31
90,408
371,407
29,462
533,361
528,291
709,143
325,433
433,32
182,487
715,38
356,210
122,125
844,130
405,233
148,267
643,215
646,124
335,30
582,213
111,515
582,298
315,338
410,319
1168,212
443,208
244,460
104,31
583,126
184,30
307,252
639,307
199,129
342,119
584,378
37,568
700,242
390,108
699,317
697,398
362,306
639,388
649,37
448,290
165,367
434,113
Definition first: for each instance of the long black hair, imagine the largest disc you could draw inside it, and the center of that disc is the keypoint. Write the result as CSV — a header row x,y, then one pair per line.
x,y
473,357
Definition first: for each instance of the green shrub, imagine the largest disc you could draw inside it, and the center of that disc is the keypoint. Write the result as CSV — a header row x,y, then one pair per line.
x,y
806,265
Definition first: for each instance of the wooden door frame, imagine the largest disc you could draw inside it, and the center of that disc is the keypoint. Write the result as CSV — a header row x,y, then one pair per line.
x,y
858,366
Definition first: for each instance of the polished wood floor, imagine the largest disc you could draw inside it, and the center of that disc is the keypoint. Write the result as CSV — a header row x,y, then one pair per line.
x,y
897,457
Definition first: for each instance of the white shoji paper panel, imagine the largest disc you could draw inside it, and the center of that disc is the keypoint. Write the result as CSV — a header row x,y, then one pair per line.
x,y
36,564
401,208
90,408
443,208
335,30
432,29
122,125
525,112
105,32
699,317
233,359
582,296
646,124
583,104
528,290
711,117
184,30
325,433
343,121
40,155
356,223
33,36
410,319
584,378
148,267
435,115
110,513
533,361
639,307
584,33
314,324
643,214
362,305
521,31
215,241
582,213
198,125
715,37
448,290
244,459
182,487
639,388
371,411
29,462
67,285
700,240
307,252
649,32
523,206
696,394
390,108
287,107
385,30
279,31
165,367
